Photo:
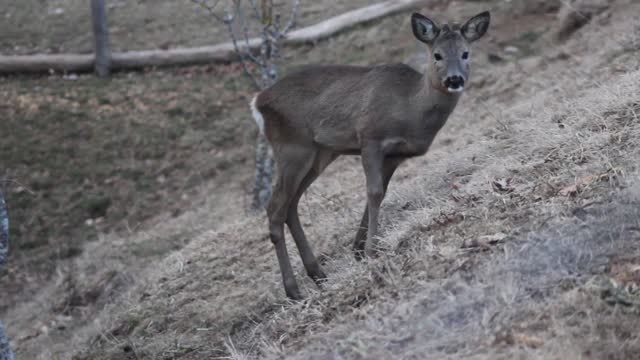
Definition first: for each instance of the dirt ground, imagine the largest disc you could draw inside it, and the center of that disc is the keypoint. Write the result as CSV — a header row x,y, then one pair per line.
x,y
515,237
64,26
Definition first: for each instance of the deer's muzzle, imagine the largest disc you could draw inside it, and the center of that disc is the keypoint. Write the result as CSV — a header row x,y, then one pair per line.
x,y
454,83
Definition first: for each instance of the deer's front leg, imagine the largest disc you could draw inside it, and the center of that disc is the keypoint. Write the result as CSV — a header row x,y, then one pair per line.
x,y
388,168
372,162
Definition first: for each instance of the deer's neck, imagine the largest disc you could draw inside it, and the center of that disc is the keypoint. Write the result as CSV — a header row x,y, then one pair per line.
x,y
434,102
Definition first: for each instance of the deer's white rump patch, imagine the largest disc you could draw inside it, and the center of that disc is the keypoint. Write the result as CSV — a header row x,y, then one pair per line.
x,y
257,116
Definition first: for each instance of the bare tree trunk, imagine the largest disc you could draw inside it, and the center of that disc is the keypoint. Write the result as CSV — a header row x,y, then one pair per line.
x,y
5,351
101,33
271,37
264,155
264,174
4,232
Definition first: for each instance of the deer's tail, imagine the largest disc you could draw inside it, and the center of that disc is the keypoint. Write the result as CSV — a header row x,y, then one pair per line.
x,y
257,115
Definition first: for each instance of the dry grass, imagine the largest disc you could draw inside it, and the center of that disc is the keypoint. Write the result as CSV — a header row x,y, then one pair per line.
x,y
430,298
90,157
542,150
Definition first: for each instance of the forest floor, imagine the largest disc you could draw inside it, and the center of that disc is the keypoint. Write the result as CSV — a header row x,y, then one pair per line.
x,y
515,236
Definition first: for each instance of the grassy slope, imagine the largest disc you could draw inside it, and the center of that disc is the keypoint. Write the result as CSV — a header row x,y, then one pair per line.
x,y
115,151
556,125
544,124
426,295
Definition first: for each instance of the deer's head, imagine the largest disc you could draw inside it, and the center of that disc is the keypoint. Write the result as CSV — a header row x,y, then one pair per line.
x,y
449,48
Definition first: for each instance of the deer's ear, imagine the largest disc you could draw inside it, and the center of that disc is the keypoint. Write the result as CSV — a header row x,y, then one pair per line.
x,y
424,28
476,27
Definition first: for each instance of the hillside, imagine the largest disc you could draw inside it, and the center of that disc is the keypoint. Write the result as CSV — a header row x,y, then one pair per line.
x,y
516,236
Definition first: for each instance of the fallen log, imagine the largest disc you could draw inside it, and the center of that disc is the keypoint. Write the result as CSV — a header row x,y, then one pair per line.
x,y
349,19
41,63
198,55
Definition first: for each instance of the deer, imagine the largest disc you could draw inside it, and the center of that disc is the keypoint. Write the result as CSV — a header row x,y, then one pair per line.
x,y
385,113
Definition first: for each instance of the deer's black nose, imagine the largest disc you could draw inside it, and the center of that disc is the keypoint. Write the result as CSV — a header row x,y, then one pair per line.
x,y
454,82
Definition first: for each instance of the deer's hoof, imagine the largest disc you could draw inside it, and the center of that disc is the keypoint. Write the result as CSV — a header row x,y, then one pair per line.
x,y
292,290
319,277
371,253
294,295
358,249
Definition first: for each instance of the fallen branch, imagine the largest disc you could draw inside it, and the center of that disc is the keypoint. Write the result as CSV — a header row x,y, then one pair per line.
x,y
199,55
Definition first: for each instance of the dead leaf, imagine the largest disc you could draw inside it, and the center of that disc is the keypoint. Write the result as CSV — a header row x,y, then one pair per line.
x,y
609,175
571,190
504,337
625,273
529,341
502,185
140,106
509,338
495,238
485,242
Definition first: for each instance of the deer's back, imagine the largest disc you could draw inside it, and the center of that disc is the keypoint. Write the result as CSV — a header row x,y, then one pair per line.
x,y
329,103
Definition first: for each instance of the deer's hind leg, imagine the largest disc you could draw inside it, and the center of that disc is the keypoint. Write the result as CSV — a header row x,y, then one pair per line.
x,y
322,159
293,163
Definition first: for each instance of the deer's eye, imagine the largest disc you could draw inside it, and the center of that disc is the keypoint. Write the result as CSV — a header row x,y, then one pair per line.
x,y
465,55
437,56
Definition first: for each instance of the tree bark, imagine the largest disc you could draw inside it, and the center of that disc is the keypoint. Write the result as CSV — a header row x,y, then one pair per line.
x,y
262,187
101,32
261,192
4,232
5,350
